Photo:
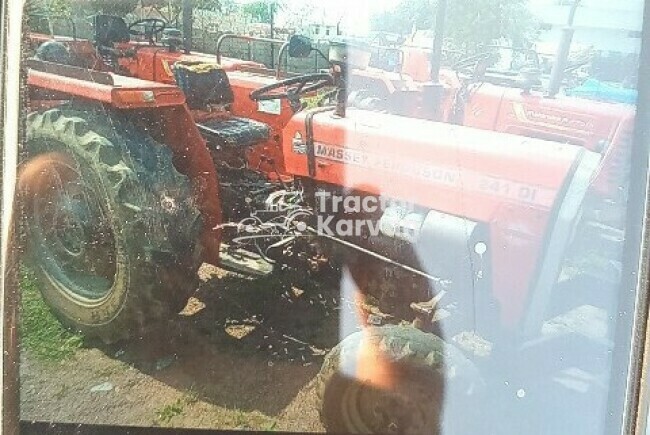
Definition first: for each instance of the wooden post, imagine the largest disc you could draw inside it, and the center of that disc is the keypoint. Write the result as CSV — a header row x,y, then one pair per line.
x,y
188,10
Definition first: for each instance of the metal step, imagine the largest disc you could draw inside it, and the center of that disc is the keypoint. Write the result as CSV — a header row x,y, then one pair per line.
x,y
244,262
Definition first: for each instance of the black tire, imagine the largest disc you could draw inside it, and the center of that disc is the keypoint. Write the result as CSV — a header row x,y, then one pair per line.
x,y
424,371
118,187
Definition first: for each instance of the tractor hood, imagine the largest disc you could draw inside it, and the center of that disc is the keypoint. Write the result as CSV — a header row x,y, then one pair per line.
x,y
526,194
577,121
457,170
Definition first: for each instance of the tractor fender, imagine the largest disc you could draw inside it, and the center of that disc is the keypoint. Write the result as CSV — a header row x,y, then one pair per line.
x,y
193,159
165,105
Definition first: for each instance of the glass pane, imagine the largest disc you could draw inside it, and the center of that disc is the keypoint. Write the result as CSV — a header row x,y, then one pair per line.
x,y
398,216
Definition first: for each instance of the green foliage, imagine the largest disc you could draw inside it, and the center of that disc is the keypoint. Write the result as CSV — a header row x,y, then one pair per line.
x,y
263,11
171,9
406,15
229,6
470,24
80,7
41,333
177,5
169,411
48,7
209,5
114,7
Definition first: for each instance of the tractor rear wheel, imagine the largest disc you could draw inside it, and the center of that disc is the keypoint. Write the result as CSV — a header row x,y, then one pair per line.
x,y
111,227
409,398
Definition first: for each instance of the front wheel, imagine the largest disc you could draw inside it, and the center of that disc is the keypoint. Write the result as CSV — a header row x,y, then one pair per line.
x,y
111,227
391,379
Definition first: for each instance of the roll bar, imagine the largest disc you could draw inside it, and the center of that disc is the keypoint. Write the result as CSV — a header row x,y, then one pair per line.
x,y
278,67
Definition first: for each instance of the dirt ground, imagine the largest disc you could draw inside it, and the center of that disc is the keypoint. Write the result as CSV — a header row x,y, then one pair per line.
x,y
243,355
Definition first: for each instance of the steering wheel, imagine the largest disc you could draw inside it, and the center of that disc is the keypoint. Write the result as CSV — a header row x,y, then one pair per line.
x,y
469,65
293,88
152,27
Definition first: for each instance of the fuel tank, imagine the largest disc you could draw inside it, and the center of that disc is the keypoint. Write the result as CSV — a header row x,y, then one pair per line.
x,y
515,186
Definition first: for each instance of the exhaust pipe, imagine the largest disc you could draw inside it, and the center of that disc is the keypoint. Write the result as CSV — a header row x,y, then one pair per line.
x,y
562,55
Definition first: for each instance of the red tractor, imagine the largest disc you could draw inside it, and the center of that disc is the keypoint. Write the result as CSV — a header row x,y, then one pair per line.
x,y
483,91
469,251
497,99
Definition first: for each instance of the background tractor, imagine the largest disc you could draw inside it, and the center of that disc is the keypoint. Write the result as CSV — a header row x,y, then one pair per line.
x,y
500,89
142,161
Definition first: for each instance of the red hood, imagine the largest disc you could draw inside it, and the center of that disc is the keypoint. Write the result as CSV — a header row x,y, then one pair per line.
x,y
511,184
590,124
457,170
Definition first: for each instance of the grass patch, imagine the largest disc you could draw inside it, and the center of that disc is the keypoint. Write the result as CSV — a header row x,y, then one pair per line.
x,y
168,412
241,420
192,396
272,427
41,333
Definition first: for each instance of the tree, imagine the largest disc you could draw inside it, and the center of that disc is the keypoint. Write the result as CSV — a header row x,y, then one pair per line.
x,y
403,17
297,13
48,7
171,9
471,24
113,7
40,14
168,9
228,6
263,11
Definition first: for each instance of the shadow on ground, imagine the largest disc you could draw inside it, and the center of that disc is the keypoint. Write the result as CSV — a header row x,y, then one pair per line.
x,y
245,344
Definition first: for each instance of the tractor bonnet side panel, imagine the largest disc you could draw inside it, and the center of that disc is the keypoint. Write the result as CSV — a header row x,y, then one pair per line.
x,y
508,183
458,170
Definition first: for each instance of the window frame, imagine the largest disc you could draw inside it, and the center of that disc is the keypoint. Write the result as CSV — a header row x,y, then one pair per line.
x,y
629,395
629,406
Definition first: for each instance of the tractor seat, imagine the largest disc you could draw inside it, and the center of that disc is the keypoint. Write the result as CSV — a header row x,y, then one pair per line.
x,y
234,132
